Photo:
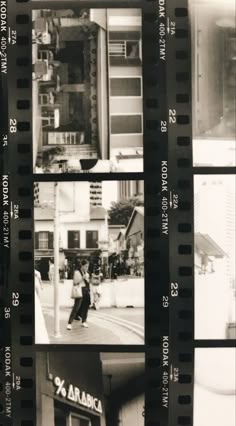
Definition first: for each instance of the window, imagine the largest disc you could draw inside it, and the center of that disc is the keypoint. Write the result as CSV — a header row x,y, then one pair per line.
x,y
76,420
92,239
73,239
125,124
132,49
63,417
125,86
44,240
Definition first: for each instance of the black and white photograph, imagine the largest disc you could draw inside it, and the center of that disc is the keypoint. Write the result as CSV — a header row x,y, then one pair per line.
x,y
214,240
213,82
214,387
89,388
89,262
87,90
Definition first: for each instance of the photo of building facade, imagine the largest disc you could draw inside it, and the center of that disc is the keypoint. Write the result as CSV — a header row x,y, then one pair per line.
x,y
89,389
89,221
213,82
214,241
87,90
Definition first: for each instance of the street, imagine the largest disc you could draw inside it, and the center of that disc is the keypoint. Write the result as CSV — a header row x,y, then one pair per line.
x,y
106,326
123,324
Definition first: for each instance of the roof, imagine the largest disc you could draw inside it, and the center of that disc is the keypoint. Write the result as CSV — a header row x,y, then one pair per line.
x,y
97,213
140,209
137,210
43,213
208,246
116,227
121,234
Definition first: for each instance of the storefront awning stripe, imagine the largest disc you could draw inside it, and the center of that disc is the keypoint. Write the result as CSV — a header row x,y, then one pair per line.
x,y
208,246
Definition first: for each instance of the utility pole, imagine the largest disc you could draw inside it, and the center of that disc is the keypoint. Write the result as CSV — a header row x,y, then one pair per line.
x,y
56,262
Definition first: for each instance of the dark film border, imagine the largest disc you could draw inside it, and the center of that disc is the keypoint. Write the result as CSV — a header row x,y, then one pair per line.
x,y
155,150
181,247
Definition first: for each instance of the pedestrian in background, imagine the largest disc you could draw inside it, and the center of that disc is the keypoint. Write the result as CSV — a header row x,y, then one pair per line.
x,y
51,270
96,288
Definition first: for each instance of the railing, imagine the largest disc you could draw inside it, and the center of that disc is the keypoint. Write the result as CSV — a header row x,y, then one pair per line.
x,y
118,48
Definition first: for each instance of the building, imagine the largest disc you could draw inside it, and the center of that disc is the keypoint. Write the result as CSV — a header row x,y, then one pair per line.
x,y
125,83
83,226
135,229
96,194
69,389
213,81
115,244
206,252
89,389
218,219
134,237
214,211
86,65
213,57
123,384
130,188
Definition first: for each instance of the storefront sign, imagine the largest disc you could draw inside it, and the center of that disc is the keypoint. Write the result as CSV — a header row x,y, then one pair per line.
x,y
76,395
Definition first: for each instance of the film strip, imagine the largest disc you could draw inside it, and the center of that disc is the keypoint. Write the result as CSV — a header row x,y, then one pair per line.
x,y
142,92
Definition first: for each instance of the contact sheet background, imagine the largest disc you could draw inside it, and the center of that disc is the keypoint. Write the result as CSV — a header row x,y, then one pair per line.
x,y
189,218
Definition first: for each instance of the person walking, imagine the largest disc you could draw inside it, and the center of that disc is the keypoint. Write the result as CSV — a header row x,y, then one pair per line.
x,y
80,293
82,312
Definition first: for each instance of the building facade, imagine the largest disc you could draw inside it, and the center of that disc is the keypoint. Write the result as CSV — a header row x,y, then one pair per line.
x,y
209,192
130,188
134,237
87,87
213,82
214,257
125,83
89,389
83,228
116,243
80,399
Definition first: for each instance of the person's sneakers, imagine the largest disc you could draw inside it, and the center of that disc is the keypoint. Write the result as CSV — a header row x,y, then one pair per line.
x,y
69,327
84,324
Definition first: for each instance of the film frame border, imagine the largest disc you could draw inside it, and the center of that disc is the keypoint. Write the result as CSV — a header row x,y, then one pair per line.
x,y
25,249
22,169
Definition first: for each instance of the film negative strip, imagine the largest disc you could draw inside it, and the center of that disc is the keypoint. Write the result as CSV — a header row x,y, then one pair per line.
x,y
118,178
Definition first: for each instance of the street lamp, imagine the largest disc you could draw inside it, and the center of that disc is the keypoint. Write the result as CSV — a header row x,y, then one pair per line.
x,y
56,262
104,244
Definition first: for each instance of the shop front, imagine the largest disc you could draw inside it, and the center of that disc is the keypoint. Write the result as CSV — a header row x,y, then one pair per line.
x,y
69,393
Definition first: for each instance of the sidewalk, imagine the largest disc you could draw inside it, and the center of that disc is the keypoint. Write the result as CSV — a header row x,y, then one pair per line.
x,y
106,326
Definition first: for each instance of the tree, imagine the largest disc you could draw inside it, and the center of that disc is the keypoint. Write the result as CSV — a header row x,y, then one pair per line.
x,y
121,211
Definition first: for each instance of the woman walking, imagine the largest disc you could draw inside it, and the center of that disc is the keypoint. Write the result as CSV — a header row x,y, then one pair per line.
x,y
80,293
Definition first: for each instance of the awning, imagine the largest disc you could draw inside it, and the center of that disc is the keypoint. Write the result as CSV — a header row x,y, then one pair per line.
x,y
99,16
207,245
82,252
